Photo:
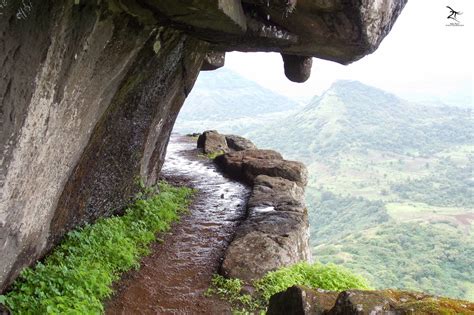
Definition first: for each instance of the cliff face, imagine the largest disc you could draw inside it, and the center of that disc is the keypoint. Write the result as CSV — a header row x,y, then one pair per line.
x,y
90,90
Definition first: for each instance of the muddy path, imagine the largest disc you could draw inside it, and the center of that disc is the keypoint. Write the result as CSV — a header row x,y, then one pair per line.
x,y
174,277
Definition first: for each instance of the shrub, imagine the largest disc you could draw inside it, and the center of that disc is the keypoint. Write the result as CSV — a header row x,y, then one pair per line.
x,y
327,277
79,273
317,275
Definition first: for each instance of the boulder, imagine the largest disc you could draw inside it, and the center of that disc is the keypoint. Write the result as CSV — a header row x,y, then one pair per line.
x,y
232,162
255,253
395,302
291,170
238,143
275,233
305,301
362,302
248,164
211,141
279,193
298,300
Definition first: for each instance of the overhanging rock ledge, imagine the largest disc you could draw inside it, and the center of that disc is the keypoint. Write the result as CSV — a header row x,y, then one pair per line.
x,y
90,90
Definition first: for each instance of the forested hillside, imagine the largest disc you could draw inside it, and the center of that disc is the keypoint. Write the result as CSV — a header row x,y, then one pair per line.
x,y
391,185
225,101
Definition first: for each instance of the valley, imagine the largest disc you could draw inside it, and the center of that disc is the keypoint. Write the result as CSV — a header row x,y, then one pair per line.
x,y
390,192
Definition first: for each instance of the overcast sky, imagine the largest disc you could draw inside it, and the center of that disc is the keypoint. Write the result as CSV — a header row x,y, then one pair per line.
x,y
421,57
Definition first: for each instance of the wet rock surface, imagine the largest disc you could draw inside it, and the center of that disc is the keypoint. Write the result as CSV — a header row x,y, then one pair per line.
x,y
173,279
89,104
248,164
277,192
275,232
304,301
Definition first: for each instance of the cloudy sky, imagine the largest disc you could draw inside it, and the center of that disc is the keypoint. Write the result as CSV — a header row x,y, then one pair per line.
x,y
420,58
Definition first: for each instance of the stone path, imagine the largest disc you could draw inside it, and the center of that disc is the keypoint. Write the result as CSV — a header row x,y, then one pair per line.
x,y
173,278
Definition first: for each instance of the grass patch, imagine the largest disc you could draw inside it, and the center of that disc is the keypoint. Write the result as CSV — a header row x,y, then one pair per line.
x,y
193,137
317,275
78,275
212,155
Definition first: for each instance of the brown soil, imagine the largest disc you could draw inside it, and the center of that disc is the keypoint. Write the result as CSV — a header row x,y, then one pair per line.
x,y
465,218
173,279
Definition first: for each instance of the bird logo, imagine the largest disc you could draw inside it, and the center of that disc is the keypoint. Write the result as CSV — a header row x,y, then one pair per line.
x,y
453,14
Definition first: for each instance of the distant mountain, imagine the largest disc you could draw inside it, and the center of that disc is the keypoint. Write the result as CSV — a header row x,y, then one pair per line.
x,y
351,115
224,94
387,180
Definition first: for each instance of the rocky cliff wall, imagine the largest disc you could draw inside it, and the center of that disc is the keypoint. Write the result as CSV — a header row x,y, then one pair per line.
x,y
89,91
88,102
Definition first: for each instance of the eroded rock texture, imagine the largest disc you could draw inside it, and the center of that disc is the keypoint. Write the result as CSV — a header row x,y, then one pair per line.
x,y
275,232
88,102
303,301
89,91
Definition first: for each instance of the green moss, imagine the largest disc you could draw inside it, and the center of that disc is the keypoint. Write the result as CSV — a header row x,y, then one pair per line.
x,y
424,304
212,155
327,277
78,275
231,291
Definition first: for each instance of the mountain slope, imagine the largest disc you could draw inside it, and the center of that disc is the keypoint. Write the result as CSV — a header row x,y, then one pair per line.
x,y
233,102
353,115
390,193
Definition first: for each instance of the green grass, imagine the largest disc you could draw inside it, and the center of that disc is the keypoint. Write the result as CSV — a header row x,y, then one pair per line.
x,y
327,277
317,275
78,275
212,155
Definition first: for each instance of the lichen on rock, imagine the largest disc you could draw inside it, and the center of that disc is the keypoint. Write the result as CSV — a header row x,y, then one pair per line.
x,y
304,301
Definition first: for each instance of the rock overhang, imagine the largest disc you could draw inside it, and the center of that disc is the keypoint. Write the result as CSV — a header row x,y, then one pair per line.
x,y
342,31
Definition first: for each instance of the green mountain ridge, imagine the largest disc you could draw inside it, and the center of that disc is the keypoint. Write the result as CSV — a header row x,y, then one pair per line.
x,y
226,101
382,122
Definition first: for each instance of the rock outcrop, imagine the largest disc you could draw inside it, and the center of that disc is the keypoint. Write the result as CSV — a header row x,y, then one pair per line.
x,y
212,142
275,233
303,301
89,91
248,164
238,143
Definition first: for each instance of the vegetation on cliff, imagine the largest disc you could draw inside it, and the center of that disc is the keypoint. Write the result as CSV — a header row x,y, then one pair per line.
x,y
78,275
317,276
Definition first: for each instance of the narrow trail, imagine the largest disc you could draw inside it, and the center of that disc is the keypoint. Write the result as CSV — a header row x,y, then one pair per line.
x,y
174,277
